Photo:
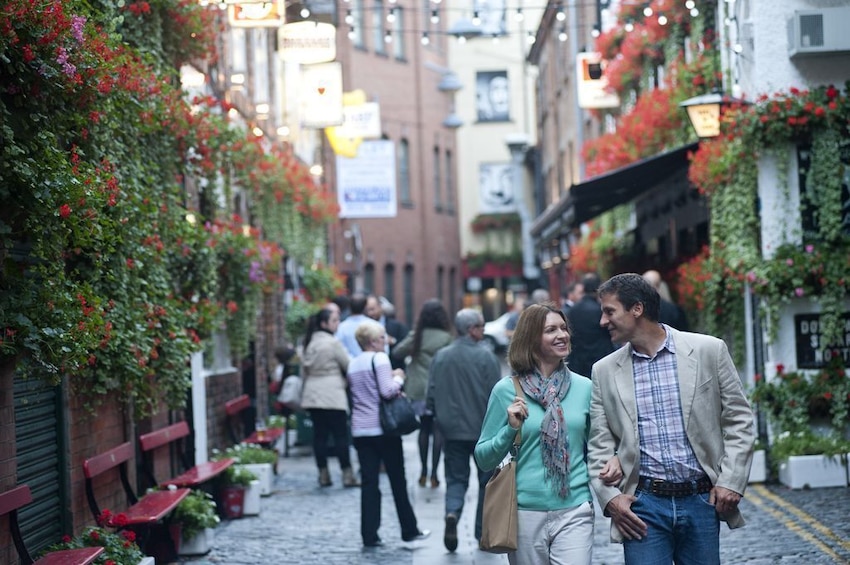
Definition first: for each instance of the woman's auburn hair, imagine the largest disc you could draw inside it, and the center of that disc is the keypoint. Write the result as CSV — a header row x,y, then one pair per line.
x,y
524,349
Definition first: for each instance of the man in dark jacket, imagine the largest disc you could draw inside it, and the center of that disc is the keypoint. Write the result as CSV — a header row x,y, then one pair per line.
x,y
590,341
460,379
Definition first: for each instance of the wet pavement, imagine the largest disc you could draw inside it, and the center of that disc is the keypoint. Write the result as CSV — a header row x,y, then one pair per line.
x,y
302,523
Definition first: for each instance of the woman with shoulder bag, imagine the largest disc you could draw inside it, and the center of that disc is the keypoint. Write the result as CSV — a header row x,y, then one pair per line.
x,y
433,332
555,508
372,378
325,396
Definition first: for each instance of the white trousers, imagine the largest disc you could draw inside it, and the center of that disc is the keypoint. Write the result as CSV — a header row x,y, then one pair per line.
x,y
559,537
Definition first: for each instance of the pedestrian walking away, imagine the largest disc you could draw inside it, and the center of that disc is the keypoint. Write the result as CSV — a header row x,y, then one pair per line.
x,y
556,515
325,394
460,379
432,333
590,342
371,378
671,406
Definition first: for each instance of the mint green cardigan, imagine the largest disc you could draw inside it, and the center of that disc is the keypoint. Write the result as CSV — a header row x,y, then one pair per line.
x,y
534,492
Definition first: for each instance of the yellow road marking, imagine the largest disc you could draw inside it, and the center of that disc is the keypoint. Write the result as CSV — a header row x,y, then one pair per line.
x,y
779,501
793,526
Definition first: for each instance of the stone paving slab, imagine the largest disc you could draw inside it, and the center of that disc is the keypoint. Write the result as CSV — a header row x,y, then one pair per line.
x,y
302,523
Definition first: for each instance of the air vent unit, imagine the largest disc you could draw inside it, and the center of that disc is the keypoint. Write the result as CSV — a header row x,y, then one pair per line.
x,y
811,32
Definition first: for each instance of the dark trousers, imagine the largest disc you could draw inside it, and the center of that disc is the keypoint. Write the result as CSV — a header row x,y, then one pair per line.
x,y
457,454
330,423
371,451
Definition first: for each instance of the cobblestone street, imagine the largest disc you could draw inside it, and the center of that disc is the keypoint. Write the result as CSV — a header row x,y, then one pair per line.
x,y
301,523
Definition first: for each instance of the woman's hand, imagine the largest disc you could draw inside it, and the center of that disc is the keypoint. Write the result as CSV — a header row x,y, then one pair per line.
x,y
517,413
612,472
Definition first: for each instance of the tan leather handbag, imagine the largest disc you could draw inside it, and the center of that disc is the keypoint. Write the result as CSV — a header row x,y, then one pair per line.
x,y
499,520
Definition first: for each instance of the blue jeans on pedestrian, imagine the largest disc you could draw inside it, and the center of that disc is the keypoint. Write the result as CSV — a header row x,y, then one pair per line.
x,y
371,451
684,530
456,461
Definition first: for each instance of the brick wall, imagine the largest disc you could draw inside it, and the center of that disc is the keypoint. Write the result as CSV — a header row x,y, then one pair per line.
x,y
220,389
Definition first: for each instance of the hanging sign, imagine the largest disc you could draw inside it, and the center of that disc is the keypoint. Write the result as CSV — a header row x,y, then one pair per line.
x,y
366,184
308,43
257,14
321,95
812,352
592,85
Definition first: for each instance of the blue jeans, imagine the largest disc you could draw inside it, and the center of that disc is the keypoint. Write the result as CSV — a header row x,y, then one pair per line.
x,y
456,461
684,530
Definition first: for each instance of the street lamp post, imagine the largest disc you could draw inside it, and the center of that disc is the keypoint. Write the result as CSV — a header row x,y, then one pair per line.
x,y
704,112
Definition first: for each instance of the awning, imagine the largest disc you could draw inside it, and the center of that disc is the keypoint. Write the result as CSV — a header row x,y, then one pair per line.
x,y
589,199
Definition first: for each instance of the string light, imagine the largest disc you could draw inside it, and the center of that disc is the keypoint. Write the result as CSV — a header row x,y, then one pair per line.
x,y
476,19
351,34
425,39
629,26
435,17
560,15
530,38
690,4
694,12
662,20
391,15
388,36
562,35
349,17
647,12
305,12
519,15
595,31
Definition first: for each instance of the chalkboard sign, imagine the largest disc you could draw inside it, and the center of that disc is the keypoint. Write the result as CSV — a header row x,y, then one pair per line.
x,y
811,227
811,352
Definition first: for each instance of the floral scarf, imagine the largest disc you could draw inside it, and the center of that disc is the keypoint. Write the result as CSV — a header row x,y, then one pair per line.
x,y
554,439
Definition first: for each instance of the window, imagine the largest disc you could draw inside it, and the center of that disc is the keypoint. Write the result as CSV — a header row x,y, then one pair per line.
x,y
450,187
358,14
404,172
408,295
378,27
493,96
441,273
398,34
438,179
389,282
369,277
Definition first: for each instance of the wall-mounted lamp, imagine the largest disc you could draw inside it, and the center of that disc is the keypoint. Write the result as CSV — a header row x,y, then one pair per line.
x,y
449,82
704,112
452,121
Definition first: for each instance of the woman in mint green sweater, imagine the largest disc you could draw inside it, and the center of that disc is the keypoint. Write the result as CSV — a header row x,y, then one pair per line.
x,y
553,488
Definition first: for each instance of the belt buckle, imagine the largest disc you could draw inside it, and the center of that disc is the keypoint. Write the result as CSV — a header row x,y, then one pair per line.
x,y
656,484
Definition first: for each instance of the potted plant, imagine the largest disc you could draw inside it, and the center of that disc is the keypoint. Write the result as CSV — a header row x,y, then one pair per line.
x,y
807,460
758,471
196,517
120,546
233,483
256,459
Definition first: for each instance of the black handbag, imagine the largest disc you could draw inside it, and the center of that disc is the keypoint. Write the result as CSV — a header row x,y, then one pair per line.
x,y
397,415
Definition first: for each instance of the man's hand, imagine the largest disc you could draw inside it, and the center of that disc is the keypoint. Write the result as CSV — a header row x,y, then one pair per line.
x,y
620,510
723,499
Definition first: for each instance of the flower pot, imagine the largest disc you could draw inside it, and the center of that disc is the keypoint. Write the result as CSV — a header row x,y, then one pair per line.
x,y
813,471
758,472
264,473
199,544
251,504
232,501
147,560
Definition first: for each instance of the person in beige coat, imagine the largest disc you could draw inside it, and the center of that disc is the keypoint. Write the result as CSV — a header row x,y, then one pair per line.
x,y
670,404
324,364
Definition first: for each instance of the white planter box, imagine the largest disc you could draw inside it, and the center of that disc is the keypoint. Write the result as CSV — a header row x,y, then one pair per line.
x,y
758,472
813,471
264,473
251,505
198,545
147,560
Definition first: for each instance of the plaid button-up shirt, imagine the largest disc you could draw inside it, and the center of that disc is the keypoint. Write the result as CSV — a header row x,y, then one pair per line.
x,y
665,452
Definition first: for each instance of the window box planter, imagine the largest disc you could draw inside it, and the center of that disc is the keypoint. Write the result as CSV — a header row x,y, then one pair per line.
x,y
199,544
758,472
251,504
147,560
813,471
265,475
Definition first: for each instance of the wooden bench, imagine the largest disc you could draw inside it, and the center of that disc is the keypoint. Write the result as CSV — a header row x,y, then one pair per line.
x,y
20,496
192,476
234,408
148,510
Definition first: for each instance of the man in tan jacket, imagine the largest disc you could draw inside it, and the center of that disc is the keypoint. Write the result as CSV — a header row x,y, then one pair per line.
x,y
671,406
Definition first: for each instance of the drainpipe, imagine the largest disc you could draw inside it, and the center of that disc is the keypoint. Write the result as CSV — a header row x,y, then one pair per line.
x,y
518,145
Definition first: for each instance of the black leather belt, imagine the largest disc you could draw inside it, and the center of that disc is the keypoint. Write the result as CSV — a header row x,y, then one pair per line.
x,y
666,488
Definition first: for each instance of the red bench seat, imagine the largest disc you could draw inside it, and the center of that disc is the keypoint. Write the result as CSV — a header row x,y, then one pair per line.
x,y
233,408
148,510
10,502
194,475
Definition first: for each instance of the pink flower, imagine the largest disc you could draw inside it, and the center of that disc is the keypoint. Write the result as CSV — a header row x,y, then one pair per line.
x,y
810,248
77,23
798,291
789,262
